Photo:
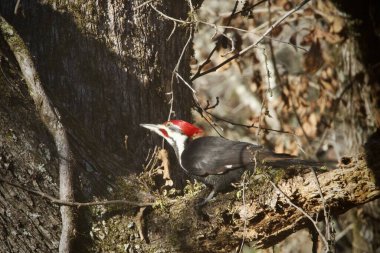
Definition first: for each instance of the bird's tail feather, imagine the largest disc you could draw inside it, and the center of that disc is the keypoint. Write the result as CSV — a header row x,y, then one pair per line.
x,y
285,161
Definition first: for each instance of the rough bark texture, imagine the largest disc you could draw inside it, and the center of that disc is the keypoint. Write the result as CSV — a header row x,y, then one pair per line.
x,y
27,155
367,25
52,121
365,30
106,68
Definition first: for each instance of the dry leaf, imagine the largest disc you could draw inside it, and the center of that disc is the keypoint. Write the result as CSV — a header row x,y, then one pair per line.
x,y
337,25
313,60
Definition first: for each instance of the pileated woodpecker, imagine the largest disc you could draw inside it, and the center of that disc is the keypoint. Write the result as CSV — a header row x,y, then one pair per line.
x,y
215,161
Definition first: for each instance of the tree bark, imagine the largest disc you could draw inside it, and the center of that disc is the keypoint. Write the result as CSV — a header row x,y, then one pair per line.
x,y
27,156
106,67
52,121
269,217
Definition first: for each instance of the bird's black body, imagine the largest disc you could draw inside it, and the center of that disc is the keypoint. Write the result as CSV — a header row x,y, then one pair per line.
x,y
215,161
218,162
210,155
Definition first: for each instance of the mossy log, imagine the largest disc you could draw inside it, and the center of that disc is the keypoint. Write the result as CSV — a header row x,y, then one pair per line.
x,y
266,213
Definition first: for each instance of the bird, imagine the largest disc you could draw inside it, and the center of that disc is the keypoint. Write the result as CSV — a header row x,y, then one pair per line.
x,y
215,161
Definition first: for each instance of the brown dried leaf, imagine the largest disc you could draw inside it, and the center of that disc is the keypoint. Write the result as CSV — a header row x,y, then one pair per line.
x,y
322,104
337,25
313,119
313,59
329,37
330,72
308,12
310,130
276,31
326,85
163,156
280,2
288,6
308,38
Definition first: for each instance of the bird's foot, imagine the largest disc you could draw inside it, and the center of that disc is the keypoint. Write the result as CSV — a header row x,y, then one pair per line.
x,y
201,203
206,200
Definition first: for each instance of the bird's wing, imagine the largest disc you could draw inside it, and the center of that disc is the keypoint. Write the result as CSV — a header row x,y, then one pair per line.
x,y
215,155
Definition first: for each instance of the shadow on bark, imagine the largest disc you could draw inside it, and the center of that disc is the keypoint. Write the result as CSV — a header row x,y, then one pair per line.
x,y
99,94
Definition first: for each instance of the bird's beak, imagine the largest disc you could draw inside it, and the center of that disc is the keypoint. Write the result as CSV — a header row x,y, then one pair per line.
x,y
154,128
151,127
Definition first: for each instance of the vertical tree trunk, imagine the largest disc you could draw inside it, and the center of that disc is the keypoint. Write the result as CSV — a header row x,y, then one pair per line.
x,y
107,67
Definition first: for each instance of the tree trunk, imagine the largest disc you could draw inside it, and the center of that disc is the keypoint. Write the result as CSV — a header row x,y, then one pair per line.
x,y
106,67
365,29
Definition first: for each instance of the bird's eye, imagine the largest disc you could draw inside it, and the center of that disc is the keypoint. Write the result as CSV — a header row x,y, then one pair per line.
x,y
168,124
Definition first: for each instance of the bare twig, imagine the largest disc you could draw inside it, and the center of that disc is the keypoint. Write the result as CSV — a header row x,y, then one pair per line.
x,y
253,159
16,7
296,8
278,79
288,43
172,32
232,45
143,4
168,17
192,10
249,31
152,159
344,232
247,126
204,114
57,201
249,8
200,67
186,83
183,51
325,213
212,123
175,73
268,72
203,64
245,211
209,107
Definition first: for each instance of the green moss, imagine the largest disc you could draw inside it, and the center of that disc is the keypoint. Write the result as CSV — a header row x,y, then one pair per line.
x,y
192,189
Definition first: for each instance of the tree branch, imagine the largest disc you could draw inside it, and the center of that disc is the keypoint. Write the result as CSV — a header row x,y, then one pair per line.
x,y
54,200
221,225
